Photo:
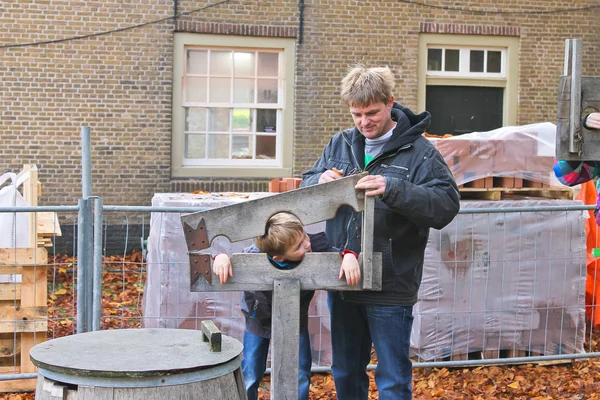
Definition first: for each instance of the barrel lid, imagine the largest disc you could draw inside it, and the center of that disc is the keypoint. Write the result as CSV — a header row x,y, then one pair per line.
x,y
132,352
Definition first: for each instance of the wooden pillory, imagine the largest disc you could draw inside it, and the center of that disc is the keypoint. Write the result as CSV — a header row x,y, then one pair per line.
x,y
253,271
575,95
23,296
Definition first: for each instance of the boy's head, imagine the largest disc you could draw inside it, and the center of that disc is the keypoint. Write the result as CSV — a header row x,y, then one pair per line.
x,y
284,238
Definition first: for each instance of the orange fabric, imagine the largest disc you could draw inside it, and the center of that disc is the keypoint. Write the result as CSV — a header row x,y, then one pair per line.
x,y
588,195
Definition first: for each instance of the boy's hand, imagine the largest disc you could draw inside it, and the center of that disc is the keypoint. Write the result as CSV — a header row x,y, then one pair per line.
x,y
350,269
593,120
222,268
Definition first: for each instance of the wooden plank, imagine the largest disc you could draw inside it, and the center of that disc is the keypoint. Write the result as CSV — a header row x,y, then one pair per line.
x,y
29,256
285,336
30,194
47,224
34,295
21,385
317,271
10,345
10,291
23,313
10,270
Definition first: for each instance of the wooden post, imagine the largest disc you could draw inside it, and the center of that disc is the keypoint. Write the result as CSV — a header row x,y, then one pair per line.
x,y
284,335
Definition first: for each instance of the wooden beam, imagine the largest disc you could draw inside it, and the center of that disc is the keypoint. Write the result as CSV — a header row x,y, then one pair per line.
x,y
29,256
316,271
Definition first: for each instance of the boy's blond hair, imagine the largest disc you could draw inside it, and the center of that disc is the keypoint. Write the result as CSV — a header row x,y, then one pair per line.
x,y
281,231
363,86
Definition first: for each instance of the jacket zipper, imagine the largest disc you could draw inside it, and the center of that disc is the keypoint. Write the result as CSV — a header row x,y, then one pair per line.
x,y
357,164
380,158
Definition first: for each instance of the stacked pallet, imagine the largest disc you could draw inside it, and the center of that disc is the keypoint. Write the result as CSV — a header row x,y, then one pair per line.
x,y
23,290
503,284
510,160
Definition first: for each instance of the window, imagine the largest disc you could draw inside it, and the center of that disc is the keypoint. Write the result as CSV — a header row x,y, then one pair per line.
x,y
474,75
444,61
235,107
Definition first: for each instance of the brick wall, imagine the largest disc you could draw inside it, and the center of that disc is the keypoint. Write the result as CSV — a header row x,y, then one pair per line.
x,y
119,84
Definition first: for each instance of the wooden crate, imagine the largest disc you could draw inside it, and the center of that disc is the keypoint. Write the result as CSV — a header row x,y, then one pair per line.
x,y
23,291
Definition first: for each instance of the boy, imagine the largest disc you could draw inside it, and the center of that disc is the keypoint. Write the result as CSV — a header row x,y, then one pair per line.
x,y
285,242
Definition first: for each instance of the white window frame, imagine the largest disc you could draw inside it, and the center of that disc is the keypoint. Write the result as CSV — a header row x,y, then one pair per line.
x,y
194,167
507,79
464,67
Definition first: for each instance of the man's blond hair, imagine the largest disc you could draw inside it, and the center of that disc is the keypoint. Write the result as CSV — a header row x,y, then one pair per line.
x,y
363,86
281,230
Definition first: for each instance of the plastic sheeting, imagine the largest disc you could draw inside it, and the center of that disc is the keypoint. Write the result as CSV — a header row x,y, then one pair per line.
x,y
507,281
523,152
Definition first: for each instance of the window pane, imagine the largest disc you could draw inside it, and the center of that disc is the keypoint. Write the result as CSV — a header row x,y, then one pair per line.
x,y
220,90
197,62
195,89
452,60
243,90
221,63
266,120
267,91
476,64
195,146
434,59
268,64
494,60
242,120
218,146
241,147
219,120
243,64
265,147
195,119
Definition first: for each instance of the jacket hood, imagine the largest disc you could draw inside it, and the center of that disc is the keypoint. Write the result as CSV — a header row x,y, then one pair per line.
x,y
409,126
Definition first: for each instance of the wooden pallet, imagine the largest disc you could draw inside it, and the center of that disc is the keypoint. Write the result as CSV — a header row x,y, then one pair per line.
x,y
501,193
23,291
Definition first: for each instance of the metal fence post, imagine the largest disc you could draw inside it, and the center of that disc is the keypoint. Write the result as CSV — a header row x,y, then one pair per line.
x,y
85,238
97,280
83,264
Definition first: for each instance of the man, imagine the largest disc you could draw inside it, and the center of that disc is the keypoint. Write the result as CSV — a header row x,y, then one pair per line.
x,y
414,191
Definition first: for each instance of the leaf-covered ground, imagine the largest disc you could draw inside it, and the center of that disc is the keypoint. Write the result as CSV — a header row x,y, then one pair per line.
x,y
121,299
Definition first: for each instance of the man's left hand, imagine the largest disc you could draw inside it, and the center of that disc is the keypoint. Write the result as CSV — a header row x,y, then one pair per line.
x,y
374,185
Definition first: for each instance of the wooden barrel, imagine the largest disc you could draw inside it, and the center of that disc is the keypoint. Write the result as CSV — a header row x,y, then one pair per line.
x,y
139,364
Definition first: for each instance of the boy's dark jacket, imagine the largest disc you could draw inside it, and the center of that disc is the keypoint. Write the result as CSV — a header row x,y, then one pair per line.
x,y
420,194
256,305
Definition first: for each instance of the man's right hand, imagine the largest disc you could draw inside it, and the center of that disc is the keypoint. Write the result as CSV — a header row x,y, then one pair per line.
x,y
331,175
222,267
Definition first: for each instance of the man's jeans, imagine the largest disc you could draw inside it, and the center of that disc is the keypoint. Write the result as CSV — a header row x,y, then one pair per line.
x,y
354,327
254,364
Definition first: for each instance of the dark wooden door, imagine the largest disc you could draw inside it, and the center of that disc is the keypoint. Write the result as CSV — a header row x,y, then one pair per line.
x,y
462,109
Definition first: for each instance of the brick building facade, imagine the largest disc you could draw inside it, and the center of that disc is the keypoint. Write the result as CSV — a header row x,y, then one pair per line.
x,y
122,67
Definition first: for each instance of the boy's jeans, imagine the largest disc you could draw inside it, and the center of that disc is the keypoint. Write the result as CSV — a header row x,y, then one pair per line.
x,y
354,326
254,364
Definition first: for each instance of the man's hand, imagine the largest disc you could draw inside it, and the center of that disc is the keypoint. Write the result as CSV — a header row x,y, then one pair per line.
x,y
331,175
222,268
374,185
593,120
350,269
